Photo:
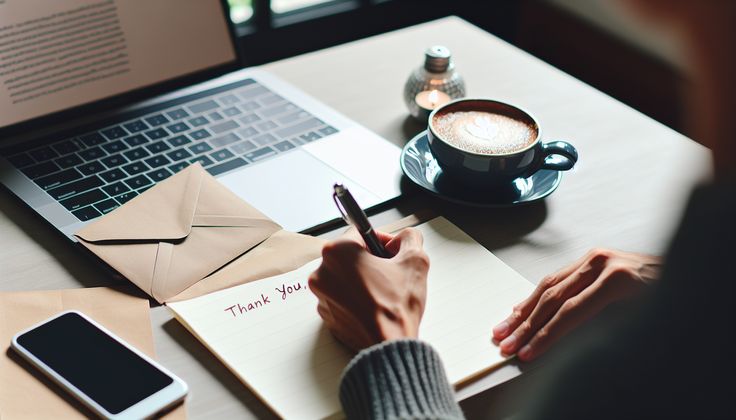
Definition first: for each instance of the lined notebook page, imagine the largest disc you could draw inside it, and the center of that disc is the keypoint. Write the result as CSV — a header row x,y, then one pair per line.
x,y
269,333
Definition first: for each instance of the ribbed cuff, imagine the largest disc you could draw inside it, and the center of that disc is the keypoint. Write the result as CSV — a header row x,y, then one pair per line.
x,y
397,379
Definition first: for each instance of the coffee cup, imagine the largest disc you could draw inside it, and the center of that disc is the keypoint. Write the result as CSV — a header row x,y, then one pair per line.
x,y
487,143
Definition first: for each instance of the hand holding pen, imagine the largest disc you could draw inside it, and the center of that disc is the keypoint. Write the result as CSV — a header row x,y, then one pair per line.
x,y
354,215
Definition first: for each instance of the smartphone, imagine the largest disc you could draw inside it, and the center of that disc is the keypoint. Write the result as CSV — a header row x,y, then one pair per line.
x,y
105,373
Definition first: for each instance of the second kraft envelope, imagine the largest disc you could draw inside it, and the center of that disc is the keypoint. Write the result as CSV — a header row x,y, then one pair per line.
x,y
183,230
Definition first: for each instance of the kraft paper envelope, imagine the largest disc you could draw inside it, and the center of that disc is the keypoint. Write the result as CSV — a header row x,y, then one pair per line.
x,y
22,394
189,228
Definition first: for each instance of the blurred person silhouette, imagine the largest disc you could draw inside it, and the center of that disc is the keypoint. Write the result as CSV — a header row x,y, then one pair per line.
x,y
669,354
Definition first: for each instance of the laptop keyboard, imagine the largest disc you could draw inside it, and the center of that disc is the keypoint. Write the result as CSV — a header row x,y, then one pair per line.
x,y
94,173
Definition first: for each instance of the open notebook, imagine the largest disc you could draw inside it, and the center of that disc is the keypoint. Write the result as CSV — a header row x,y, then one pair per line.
x,y
269,333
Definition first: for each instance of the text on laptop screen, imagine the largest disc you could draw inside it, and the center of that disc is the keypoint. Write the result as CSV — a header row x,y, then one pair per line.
x,y
55,55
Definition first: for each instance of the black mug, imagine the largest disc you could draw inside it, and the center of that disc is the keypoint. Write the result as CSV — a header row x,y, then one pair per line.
x,y
494,169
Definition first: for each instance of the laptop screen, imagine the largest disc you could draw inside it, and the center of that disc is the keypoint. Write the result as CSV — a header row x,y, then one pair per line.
x,y
55,55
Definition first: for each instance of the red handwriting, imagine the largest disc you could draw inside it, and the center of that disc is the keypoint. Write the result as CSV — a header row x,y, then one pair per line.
x,y
239,309
287,290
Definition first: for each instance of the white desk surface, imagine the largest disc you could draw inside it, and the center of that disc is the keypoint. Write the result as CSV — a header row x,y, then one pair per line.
x,y
626,192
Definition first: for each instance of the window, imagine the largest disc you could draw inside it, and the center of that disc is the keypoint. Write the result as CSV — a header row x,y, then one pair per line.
x,y
284,6
240,10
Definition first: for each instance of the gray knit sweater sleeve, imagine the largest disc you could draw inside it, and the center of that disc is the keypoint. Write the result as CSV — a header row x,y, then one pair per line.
x,y
397,379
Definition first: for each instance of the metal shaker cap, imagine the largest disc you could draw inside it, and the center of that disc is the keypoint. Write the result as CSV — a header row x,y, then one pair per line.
x,y
437,59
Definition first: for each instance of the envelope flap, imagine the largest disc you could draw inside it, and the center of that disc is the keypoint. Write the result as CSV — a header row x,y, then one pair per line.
x,y
165,212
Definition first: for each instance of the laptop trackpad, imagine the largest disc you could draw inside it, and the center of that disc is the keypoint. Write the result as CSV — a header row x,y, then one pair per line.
x,y
293,189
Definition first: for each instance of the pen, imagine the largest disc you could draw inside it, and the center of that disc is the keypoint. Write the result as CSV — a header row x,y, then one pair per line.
x,y
354,215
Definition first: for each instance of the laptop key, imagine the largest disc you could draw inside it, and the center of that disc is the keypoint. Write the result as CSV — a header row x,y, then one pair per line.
x,y
86,213
231,112
284,146
200,148
227,166
293,117
93,153
137,153
265,139
20,160
249,118
243,147
159,174
156,134
221,155
199,121
247,132
84,199
178,127
124,198
92,139
326,131
310,137
76,187
91,168
157,161
135,168
65,147
68,161
113,175
203,160
135,140
158,147
252,91
114,147
144,189
41,169
179,140
177,114
43,154
156,120
54,180
114,160
215,116
203,106
224,140
229,99
223,127
178,166
299,128
179,154
138,182
260,154
115,189
250,106
136,126
106,206
266,125
114,132
200,134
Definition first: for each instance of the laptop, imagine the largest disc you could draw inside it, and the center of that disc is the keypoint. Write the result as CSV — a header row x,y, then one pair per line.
x,y
100,100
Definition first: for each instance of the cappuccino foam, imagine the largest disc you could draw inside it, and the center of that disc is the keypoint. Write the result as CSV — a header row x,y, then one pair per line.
x,y
484,132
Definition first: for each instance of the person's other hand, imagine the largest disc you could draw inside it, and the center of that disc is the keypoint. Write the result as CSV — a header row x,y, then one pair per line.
x,y
364,299
576,293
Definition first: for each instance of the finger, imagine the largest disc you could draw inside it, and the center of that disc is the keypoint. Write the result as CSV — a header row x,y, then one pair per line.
x,y
406,240
341,251
549,303
522,311
574,312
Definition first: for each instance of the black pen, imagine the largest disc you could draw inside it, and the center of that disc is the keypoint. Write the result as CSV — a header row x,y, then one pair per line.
x,y
354,215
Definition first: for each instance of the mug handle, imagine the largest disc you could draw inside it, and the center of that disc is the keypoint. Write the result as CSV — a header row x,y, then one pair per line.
x,y
561,148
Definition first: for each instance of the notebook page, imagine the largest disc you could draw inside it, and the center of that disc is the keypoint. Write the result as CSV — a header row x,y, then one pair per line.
x,y
269,333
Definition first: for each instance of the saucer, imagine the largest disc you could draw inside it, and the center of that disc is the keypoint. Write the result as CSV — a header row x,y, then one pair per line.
x,y
420,166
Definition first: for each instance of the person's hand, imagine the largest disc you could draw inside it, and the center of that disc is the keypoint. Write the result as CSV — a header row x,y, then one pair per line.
x,y
576,293
364,299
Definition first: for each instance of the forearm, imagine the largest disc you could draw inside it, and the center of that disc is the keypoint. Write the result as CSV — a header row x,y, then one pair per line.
x,y
397,379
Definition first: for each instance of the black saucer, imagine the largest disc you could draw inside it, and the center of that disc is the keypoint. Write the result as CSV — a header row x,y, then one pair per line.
x,y
421,168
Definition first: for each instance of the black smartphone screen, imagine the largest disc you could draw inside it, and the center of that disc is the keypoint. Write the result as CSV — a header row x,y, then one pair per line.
x,y
109,373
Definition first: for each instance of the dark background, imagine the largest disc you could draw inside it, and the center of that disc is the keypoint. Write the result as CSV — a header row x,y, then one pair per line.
x,y
600,59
